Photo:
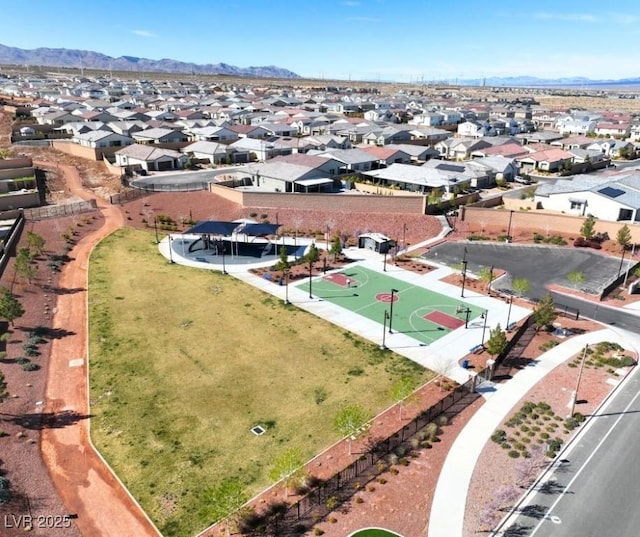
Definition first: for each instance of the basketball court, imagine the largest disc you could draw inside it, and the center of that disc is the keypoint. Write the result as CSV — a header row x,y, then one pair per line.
x,y
415,311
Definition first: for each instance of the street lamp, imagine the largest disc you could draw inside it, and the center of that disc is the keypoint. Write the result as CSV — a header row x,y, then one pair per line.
x,y
224,267
509,227
484,327
575,394
490,280
310,275
170,254
286,287
384,263
155,227
624,249
404,236
384,329
466,311
464,275
393,294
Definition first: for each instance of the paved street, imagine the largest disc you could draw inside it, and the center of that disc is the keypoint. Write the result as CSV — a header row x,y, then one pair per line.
x,y
590,491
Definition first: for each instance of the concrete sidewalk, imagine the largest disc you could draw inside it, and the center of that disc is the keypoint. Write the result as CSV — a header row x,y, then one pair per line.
x,y
450,497
442,356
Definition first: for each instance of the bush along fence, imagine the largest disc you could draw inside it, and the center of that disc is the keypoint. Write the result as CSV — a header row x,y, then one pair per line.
x,y
324,496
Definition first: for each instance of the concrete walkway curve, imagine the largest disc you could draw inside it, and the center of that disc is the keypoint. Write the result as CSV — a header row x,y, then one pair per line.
x,y
450,496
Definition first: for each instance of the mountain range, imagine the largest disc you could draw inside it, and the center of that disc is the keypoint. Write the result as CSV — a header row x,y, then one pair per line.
x,y
532,81
87,59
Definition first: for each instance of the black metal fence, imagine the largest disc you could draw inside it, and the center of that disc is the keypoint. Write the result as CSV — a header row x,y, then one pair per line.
x,y
10,241
55,211
325,496
140,189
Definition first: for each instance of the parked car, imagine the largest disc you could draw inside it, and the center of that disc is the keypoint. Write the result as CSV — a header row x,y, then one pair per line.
x,y
522,180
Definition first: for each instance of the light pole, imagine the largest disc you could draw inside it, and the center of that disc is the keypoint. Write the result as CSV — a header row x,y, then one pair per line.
x,y
155,227
490,280
404,237
286,287
310,275
393,295
575,395
224,267
509,226
509,311
170,254
484,326
464,275
466,311
384,329
384,262
624,249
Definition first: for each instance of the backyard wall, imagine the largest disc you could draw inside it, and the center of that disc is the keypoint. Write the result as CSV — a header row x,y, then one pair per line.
x,y
475,219
357,203
10,163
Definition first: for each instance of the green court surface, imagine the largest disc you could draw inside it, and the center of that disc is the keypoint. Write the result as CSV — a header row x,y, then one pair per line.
x,y
374,532
415,311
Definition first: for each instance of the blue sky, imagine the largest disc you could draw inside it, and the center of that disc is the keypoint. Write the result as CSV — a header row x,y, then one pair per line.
x,y
401,40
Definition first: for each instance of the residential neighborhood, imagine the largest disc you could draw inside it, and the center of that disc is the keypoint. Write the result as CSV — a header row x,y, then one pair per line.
x,y
291,199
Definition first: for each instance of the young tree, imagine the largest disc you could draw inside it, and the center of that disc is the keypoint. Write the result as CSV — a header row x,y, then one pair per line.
x,y
576,278
521,286
486,276
283,263
223,499
336,247
35,242
545,312
288,468
24,265
497,341
350,422
588,227
400,390
313,255
10,307
623,237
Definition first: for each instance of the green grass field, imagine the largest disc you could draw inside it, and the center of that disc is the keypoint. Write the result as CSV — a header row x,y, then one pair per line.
x,y
411,303
183,362
374,532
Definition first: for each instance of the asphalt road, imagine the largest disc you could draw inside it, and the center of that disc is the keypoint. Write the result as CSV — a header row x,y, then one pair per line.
x,y
542,266
593,490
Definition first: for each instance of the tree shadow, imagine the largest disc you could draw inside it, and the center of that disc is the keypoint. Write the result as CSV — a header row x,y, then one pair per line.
x,y
45,420
534,511
552,487
62,290
516,530
46,332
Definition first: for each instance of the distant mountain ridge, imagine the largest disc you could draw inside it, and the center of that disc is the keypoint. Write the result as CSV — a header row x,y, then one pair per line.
x,y
532,81
87,59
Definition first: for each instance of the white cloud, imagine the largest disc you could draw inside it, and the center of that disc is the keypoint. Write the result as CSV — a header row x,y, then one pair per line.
x,y
351,3
624,18
572,17
143,33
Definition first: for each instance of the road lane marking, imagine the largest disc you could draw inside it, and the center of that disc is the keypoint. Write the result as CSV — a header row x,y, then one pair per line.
x,y
585,464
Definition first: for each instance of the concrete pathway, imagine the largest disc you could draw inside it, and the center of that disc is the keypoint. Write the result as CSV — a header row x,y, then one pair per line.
x,y
450,497
442,356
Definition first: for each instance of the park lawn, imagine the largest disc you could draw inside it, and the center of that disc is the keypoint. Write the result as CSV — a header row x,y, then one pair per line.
x,y
183,362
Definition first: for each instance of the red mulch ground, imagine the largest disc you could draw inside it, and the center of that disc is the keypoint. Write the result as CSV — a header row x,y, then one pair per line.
x,y
31,486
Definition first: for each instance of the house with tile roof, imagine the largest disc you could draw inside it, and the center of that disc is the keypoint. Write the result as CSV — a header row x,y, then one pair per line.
x,y
150,158
297,173
616,199
550,160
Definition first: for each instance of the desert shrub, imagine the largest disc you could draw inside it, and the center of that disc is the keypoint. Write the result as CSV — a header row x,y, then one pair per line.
x,y
499,436
30,366
514,454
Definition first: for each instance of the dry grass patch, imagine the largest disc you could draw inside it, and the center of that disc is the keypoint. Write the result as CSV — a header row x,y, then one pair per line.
x,y
184,362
